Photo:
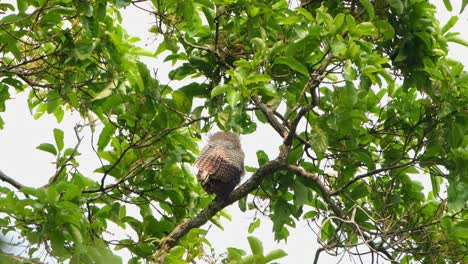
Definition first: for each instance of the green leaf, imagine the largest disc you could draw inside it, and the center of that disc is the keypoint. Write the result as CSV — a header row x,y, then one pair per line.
x,y
182,101
76,234
177,252
84,50
9,19
435,184
71,192
369,8
255,245
59,114
36,192
305,13
293,64
58,135
328,231
310,215
249,260
448,5
364,29
52,194
266,89
39,111
220,89
105,136
235,254
349,73
47,147
258,78
275,254
457,194
456,135
233,97
319,137
457,39
254,225
6,6
243,204
259,45
460,230
107,91
397,5
365,157
22,5
464,3
301,193
386,29
359,190
452,21
262,157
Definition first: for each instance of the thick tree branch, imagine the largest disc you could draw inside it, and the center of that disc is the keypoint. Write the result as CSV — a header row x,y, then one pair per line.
x,y
218,204
10,180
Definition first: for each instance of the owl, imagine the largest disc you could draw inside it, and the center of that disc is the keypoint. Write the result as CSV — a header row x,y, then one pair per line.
x,y
221,164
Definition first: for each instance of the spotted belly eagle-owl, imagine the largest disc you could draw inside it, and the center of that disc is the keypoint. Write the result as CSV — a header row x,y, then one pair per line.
x,y
221,164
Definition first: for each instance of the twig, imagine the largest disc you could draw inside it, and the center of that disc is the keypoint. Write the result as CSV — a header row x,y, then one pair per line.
x,y
72,156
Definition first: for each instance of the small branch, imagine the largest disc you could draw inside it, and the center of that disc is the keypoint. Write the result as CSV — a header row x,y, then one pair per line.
x,y
295,122
71,157
317,255
368,174
10,180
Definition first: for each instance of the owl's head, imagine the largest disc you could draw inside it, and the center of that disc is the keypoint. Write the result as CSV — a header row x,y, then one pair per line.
x,y
230,139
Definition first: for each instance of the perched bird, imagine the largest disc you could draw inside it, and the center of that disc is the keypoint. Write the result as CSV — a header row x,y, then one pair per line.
x,y
221,163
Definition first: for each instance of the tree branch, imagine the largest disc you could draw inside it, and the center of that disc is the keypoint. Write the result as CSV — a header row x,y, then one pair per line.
x,y
323,189
362,176
11,257
10,180
218,204
270,116
326,195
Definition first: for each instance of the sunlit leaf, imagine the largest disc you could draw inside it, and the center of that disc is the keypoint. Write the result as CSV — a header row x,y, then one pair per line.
x,y
47,147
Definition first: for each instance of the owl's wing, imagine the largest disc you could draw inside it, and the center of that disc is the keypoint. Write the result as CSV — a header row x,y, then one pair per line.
x,y
228,173
213,165
208,162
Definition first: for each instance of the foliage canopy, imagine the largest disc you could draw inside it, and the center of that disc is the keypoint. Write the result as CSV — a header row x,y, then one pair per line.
x,y
362,93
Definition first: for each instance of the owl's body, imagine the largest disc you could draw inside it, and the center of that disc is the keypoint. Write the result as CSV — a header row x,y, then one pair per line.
x,y
220,164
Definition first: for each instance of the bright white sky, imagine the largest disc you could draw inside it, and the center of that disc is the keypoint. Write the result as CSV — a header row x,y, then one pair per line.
x,y
19,158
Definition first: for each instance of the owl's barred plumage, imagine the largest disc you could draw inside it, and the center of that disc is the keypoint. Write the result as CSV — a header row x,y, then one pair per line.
x,y
221,163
